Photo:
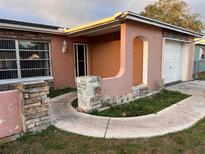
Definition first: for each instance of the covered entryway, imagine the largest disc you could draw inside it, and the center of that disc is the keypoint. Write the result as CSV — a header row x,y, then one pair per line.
x,y
172,61
97,55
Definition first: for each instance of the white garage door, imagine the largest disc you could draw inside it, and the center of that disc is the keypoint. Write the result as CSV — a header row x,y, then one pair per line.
x,y
172,61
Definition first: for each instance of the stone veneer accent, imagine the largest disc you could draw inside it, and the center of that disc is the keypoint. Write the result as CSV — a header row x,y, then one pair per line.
x,y
34,105
89,97
88,88
161,84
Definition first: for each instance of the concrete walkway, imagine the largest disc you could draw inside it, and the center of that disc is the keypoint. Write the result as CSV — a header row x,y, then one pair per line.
x,y
172,119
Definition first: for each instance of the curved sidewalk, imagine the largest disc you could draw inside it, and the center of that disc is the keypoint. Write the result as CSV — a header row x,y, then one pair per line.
x,y
172,119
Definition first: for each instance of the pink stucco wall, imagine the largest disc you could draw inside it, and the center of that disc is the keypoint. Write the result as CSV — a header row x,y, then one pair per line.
x,y
62,63
10,118
122,83
104,55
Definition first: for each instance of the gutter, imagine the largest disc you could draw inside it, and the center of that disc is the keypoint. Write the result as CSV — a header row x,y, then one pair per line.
x,y
200,41
95,24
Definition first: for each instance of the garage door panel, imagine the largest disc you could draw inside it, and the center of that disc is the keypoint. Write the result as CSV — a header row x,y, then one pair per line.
x,y
171,77
172,61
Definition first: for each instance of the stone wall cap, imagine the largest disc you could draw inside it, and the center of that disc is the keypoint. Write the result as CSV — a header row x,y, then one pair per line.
x,y
88,76
31,84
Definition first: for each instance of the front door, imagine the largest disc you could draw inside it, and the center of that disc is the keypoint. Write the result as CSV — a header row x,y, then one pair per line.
x,y
80,51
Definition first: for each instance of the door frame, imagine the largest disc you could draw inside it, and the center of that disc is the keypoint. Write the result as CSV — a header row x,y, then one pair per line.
x,y
184,61
85,58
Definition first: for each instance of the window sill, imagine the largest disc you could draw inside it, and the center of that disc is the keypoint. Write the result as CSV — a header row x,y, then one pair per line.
x,y
10,81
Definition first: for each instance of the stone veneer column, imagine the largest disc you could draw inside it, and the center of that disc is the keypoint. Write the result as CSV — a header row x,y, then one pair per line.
x,y
34,105
88,92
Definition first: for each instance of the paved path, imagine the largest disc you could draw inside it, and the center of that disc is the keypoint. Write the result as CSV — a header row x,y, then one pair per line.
x,y
174,118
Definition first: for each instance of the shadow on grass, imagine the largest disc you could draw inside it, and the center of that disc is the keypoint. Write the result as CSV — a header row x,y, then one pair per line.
x,y
57,92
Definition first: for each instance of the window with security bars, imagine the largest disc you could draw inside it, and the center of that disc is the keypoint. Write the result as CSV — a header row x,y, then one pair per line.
x,y
202,54
24,59
8,61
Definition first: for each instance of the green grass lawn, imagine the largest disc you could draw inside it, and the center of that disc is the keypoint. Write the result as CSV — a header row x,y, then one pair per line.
x,y
58,92
54,141
143,106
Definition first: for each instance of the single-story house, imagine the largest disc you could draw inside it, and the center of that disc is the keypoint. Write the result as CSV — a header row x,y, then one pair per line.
x,y
125,50
199,56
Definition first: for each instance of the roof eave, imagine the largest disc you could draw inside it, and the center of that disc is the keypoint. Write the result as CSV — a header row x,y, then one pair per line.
x,y
31,29
94,29
200,44
142,19
106,21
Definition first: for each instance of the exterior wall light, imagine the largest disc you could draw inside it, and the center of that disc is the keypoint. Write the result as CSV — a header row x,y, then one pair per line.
x,y
64,46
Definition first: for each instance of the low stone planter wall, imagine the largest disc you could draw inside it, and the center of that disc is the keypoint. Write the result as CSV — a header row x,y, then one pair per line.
x,y
35,105
90,98
24,110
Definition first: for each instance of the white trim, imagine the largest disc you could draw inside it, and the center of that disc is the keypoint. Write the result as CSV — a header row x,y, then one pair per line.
x,y
178,40
88,70
145,61
162,67
9,81
18,59
76,50
85,61
201,52
50,58
74,66
185,62
10,39
30,28
80,43
7,49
